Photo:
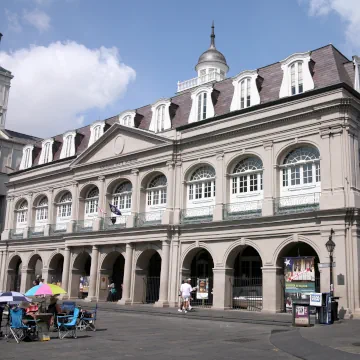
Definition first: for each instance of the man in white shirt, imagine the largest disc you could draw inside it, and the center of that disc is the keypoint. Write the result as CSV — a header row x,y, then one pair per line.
x,y
185,290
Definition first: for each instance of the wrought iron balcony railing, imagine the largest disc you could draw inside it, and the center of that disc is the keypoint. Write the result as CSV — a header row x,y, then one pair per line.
x,y
197,215
297,204
55,229
83,225
242,210
188,84
36,231
16,234
115,222
149,218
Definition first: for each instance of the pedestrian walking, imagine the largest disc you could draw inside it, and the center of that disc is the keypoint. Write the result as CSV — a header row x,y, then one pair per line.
x,y
112,291
180,298
185,295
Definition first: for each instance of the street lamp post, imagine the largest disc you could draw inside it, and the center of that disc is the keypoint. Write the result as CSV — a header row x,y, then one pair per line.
x,y
330,246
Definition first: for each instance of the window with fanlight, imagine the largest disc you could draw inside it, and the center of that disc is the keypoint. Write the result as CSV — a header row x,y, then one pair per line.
x,y
247,177
22,214
201,185
41,212
64,207
157,192
92,202
122,196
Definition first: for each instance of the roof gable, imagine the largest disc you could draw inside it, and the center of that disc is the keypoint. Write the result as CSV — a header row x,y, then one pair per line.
x,y
120,141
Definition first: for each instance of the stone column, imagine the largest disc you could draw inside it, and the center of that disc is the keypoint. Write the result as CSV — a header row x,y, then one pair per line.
x,y
97,224
179,186
164,275
93,274
135,198
174,272
26,283
125,300
74,208
269,174
8,225
219,188
222,291
3,271
168,215
65,273
272,289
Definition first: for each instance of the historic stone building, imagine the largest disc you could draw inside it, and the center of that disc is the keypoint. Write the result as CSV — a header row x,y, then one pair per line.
x,y
219,182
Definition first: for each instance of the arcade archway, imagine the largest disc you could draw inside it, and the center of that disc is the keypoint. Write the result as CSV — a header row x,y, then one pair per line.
x,y
56,269
14,274
80,276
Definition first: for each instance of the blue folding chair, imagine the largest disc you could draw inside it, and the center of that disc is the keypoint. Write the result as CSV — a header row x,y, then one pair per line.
x,y
19,330
68,307
67,325
87,320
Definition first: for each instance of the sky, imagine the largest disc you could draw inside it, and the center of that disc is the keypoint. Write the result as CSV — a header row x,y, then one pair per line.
x,y
78,61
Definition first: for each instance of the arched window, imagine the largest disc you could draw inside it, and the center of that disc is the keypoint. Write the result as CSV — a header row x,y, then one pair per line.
x,y
160,118
64,206
68,142
301,167
245,93
42,210
92,201
247,176
27,157
156,191
22,214
202,184
122,196
97,133
296,78
201,106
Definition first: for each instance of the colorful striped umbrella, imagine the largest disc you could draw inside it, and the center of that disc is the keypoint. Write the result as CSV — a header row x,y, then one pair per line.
x,y
13,297
45,289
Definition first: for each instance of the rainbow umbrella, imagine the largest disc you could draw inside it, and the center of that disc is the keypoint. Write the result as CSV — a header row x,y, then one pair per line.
x,y
45,289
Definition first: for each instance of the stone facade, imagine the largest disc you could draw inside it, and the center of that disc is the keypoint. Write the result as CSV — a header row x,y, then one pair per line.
x,y
150,249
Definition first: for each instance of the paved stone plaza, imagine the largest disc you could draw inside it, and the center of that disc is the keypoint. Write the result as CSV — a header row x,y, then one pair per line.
x,y
139,336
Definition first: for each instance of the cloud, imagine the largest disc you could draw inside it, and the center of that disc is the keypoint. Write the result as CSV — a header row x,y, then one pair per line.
x,y
38,18
349,12
13,21
54,86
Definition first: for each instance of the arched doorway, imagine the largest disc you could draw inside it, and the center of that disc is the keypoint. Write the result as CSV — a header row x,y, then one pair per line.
x,y
14,274
35,267
198,266
80,276
147,277
56,269
301,275
247,278
112,270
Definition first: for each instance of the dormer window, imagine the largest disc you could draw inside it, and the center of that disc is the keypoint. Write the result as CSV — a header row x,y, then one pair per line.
x,y
160,120
96,131
46,155
356,61
202,107
127,118
246,92
297,77
26,161
68,148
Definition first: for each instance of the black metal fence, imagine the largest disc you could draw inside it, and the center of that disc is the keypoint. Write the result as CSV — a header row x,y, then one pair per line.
x,y
247,293
152,286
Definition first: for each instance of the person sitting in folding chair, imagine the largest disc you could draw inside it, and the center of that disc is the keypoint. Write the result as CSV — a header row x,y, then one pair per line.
x,y
67,324
87,320
18,329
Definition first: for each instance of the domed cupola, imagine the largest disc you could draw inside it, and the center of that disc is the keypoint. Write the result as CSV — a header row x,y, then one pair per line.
x,y
212,60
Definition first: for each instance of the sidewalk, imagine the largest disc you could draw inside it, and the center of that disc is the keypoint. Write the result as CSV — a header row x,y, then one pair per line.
x,y
198,313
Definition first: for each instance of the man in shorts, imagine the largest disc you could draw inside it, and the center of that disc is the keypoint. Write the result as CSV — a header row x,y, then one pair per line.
x,y
185,290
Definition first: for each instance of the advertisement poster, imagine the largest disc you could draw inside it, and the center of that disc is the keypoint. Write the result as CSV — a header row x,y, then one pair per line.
x,y
301,315
299,279
202,289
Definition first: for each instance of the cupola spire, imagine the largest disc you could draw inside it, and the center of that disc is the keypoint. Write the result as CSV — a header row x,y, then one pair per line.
x,y
212,36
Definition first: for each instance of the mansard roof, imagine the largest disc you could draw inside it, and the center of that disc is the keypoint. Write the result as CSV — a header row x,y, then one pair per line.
x,y
329,67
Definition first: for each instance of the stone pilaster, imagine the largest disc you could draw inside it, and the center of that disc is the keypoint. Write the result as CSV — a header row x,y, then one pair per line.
x,y
93,274
164,275
126,299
